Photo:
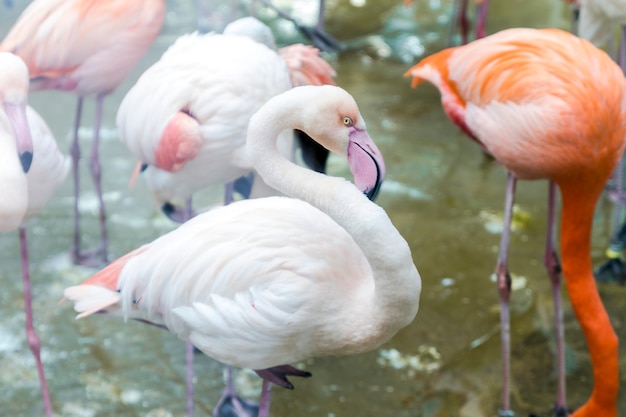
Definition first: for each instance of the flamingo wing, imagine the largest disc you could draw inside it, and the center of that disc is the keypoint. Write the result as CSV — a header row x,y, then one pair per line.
x,y
306,66
255,273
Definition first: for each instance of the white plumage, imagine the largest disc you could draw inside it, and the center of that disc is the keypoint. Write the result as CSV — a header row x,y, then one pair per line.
x,y
266,282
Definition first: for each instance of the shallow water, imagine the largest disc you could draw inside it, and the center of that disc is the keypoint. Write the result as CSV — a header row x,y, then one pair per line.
x,y
444,196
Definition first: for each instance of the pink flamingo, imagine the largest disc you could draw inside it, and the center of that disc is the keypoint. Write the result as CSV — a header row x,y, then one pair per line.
x,y
86,47
255,284
25,193
191,134
546,105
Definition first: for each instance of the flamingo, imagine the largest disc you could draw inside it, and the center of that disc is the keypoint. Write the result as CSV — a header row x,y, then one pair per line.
x,y
25,193
86,47
546,105
191,133
265,282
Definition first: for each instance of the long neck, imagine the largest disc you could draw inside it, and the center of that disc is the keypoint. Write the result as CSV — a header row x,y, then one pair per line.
x,y
396,279
14,201
576,224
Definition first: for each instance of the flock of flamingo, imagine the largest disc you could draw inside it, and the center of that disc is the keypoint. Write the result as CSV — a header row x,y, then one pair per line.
x,y
304,264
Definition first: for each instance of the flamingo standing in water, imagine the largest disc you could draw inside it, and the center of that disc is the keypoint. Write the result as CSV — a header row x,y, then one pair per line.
x,y
191,134
25,193
256,284
86,47
547,105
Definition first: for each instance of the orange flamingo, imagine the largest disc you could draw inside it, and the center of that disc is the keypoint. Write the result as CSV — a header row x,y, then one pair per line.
x,y
546,105
86,47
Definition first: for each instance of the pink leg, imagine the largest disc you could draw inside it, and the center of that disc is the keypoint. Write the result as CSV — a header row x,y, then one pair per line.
x,y
96,173
231,404
553,266
75,153
504,289
31,335
462,22
266,398
481,19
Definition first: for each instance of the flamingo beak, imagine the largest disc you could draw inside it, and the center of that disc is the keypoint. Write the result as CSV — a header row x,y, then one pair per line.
x,y
23,139
366,163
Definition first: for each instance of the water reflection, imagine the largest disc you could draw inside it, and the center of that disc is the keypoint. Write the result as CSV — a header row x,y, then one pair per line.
x,y
444,196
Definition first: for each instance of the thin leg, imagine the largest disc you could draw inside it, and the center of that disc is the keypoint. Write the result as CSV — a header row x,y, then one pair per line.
x,y
31,335
96,173
462,21
504,290
230,404
481,19
266,398
320,16
189,352
553,266
75,154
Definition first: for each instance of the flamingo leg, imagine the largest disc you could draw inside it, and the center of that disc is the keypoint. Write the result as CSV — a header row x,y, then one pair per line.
x,y
481,19
96,173
553,266
504,290
230,404
75,154
34,343
266,398
462,21
189,352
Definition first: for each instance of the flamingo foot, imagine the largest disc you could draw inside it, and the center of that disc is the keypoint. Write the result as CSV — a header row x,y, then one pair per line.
x,y
232,405
278,375
611,271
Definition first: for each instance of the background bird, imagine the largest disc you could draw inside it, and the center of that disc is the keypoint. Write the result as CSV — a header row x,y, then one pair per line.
x,y
546,105
25,194
85,47
247,285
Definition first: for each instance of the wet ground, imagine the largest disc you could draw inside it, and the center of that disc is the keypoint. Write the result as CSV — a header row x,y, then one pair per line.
x,y
444,196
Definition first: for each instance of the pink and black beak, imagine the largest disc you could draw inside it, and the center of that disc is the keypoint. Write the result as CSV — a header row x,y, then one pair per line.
x,y
24,142
366,162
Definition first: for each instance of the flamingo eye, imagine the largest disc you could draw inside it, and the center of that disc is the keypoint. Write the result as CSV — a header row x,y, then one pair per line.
x,y
347,121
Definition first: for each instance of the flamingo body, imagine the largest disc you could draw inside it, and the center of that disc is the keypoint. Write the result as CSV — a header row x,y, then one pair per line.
x,y
70,45
193,133
258,283
25,190
549,105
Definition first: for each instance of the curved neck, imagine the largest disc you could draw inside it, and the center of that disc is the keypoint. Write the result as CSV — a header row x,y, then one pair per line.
x,y
396,278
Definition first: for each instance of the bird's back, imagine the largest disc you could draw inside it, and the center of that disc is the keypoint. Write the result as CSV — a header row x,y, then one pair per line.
x,y
537,100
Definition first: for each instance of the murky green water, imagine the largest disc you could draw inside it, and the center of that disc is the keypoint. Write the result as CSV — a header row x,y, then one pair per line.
x,y
442,194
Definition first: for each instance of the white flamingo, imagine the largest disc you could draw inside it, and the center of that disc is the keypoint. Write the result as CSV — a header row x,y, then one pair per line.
x,y
25,194
266,282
